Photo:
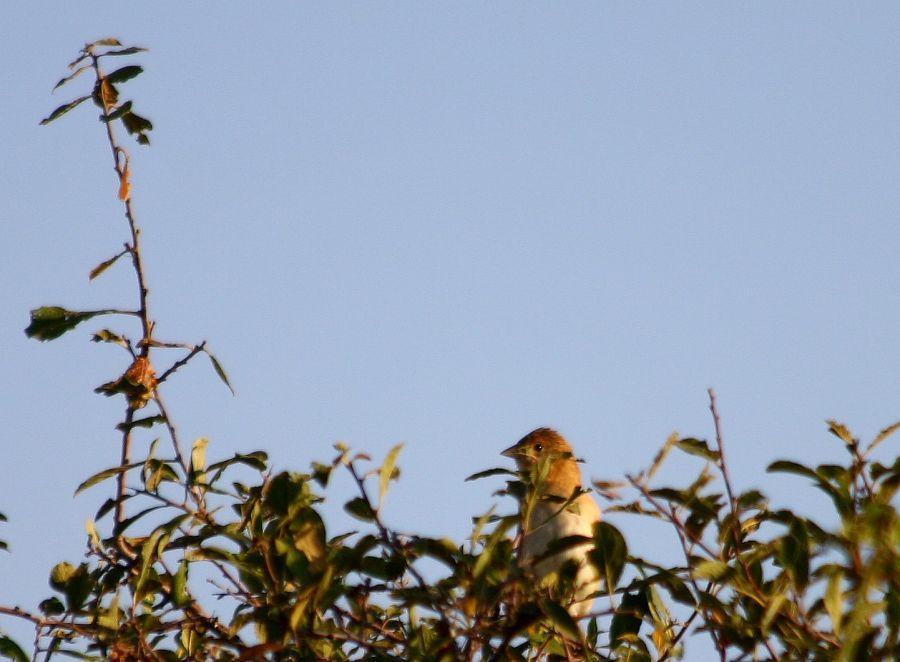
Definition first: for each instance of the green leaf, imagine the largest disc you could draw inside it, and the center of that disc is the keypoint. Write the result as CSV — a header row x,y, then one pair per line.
x,y
794,553
609,554
131,50
562,620
834,601
788,466
180,596
125,73
50,322
699,448
627,621
491,472
117,113
774,606
257,460
10,649
147,422
63,109
220,371
100,476
52,606
711,569
75,74
137,125
387,471
360,509
149,554
109,41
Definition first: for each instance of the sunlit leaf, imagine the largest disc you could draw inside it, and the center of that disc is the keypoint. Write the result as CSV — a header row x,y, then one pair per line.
x,y
841,431
884,434
386,473
834,601
699,448
109,41
103,266
711,569
198,460
179,595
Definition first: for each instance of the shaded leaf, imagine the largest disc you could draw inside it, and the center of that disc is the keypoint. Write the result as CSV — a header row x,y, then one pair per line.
x,y
562,620
131,50
609,553
794,553
52,606
360,509
147,422
497,471
137,125
100,476
50,322
63,109
220,371
124,74
10,649
627,621
117,113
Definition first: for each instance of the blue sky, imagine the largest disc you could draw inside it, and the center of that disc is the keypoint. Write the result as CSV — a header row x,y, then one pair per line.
x,y
449,224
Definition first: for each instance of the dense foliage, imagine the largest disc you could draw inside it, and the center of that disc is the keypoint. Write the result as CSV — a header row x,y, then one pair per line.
x,y
198,558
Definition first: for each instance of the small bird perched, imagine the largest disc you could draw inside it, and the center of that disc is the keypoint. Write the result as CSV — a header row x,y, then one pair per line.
x,y
554,514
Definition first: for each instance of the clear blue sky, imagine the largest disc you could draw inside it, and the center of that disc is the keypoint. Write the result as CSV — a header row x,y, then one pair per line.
x,y
449,224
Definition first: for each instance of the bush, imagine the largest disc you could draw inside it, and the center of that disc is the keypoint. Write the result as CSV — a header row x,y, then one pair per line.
x,y
759,582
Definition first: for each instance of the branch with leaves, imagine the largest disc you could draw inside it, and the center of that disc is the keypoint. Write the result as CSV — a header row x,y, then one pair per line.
x,y
197,559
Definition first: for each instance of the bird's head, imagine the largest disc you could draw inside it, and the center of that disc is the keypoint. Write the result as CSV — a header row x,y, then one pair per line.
x,y
545,447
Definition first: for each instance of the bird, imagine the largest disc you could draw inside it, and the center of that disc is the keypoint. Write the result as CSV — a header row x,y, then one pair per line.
x,y
555,514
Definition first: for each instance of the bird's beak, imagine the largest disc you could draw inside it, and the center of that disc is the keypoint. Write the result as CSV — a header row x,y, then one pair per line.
x,y
512,452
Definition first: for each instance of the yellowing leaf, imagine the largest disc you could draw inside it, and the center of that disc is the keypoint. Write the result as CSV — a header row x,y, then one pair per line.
x,y
387,471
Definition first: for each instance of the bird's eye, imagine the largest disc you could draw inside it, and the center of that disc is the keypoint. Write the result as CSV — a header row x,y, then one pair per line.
x,y
538,447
